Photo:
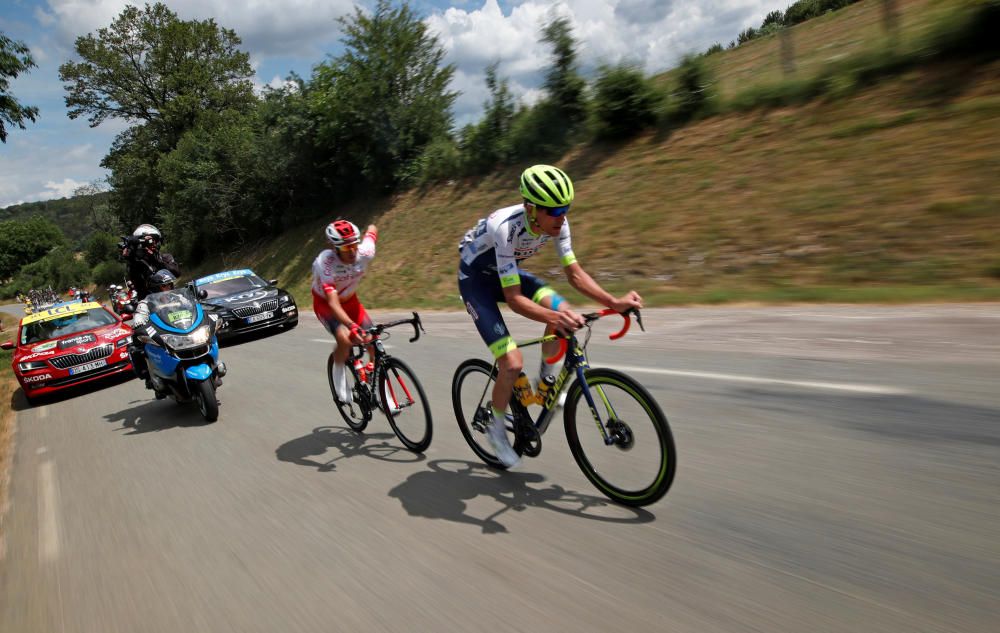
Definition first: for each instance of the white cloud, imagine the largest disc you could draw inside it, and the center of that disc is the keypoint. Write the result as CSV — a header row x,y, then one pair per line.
x,y
62,189
268,27
653,33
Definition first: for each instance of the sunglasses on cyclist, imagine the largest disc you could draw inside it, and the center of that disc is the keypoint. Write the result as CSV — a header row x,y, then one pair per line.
x,y
348,248
553,212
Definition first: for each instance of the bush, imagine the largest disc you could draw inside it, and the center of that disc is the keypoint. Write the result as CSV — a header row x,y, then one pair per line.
x,y
624,102
107,273
438,161
713,49
100,247
693,96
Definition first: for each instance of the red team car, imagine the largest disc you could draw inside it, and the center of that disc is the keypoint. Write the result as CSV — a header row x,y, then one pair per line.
x,y
68,345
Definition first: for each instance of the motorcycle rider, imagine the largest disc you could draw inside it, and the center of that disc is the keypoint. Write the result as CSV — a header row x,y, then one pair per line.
x,y
160,281
141,252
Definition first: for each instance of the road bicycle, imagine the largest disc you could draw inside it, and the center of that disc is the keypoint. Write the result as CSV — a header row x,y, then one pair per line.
x,y
387,384
628,452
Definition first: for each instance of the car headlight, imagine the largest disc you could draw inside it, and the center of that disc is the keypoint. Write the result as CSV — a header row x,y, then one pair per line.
x,y
187,341
285,299
32,364
123,342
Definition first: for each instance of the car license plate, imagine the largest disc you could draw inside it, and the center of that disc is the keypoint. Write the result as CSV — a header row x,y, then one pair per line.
x,y
79,369
263,316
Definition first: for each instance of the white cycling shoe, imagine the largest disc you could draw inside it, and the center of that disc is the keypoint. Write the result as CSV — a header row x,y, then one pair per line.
x,y
497,434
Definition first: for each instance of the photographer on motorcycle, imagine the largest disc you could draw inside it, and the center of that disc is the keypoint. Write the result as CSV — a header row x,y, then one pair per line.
x,y
141,252
160,281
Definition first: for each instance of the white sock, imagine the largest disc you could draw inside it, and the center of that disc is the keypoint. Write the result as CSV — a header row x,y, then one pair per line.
x,y
547,369
340,382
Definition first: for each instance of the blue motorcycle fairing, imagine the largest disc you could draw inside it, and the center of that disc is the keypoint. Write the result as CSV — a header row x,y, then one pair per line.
x,y
162,360
198,372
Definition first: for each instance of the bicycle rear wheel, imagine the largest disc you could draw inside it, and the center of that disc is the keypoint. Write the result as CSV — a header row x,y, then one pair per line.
x,y
638,468
357,414
472,379
405,404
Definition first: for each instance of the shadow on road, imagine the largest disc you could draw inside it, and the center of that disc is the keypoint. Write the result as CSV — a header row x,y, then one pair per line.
x,y
442,492
249,337
155,415
348,443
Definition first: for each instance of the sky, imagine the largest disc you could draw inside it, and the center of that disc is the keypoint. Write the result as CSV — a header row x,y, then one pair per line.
x,y
56,155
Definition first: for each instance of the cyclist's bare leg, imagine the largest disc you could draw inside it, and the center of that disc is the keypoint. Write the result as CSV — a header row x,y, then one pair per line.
x,y
509,366
342,347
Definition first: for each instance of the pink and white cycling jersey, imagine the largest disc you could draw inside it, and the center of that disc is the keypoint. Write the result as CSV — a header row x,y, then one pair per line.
x,y
329,273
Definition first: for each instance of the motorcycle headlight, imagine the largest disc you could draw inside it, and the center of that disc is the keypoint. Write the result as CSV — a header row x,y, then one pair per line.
x,y
187,341
32,364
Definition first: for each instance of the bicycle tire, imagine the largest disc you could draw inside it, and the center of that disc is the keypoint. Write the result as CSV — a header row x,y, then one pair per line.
x,y
667,467
390,375
471,368
359,418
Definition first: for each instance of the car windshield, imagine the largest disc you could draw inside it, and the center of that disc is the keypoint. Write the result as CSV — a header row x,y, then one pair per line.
x,y
232,285
65,324
176,308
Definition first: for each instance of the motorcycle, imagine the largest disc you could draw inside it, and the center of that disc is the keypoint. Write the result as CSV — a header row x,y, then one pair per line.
x,y
182,351
123,301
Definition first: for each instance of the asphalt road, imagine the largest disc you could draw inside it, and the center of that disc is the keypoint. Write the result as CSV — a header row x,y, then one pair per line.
x,y
839,470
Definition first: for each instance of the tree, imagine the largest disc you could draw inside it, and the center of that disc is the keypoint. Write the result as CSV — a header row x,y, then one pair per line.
x,y
25,241
624,101
164,75
563,82
379,103
101,247
15,58
487,143
152,68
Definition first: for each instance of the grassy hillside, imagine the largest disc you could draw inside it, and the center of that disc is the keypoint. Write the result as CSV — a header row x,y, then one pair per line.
x,y
74,216
888,196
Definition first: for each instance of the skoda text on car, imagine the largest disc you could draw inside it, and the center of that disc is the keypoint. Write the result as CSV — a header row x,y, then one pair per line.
x,y
244,302
68,345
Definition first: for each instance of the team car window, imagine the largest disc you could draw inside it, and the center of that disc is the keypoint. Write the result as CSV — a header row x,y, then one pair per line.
x,y
65,325
233,285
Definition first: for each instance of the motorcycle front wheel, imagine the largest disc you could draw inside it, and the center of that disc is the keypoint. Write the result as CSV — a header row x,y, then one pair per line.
x,y
208,404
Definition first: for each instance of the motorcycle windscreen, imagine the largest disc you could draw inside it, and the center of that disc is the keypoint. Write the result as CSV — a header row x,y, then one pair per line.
x,y
175,308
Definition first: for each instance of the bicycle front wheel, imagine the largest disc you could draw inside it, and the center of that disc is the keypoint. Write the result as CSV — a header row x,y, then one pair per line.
x,y
357,413
405,404
471,390
638,466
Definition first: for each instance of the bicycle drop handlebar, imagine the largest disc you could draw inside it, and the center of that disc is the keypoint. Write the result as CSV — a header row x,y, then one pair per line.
x,y
593,316
418,327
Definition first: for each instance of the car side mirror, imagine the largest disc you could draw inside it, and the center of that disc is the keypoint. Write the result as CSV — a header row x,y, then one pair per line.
x,y
202,294
7,345
273,282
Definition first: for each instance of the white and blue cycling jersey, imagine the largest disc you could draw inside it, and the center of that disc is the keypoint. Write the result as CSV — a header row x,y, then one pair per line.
x,y
499,242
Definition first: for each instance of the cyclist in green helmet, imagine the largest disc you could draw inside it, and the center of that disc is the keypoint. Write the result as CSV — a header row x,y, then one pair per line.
x,y
489,273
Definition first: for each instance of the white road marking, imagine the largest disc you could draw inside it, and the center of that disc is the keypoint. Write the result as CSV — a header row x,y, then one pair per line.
x,y
43,413
41,450
859,340
322,340
48,512
808,384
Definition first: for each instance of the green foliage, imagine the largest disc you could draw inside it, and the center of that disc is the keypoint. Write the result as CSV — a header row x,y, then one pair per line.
x,y
25,241
713,49
486,144
74,216
439,161
101,247
107,273
60,268
379,103
563,82
15,58
624,101
164,74
692,96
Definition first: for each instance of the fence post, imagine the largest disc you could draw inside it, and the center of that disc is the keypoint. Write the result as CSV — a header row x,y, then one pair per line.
x,y
787,51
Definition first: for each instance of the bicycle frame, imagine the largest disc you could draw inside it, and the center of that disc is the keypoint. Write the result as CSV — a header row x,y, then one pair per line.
x,y
380,355
576,363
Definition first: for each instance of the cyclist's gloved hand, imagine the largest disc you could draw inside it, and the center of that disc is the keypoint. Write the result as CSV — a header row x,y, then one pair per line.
x,y
626,302
357,334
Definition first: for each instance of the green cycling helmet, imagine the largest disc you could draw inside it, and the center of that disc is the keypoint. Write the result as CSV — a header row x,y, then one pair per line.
x,y
546,186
